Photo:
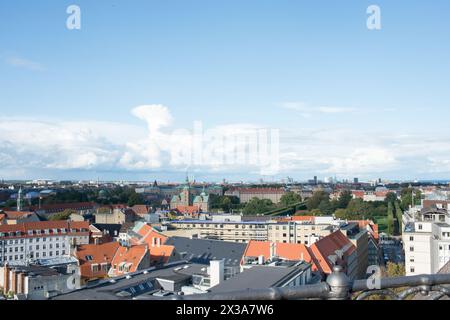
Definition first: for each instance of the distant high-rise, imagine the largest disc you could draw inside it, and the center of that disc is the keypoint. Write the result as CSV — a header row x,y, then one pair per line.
x,y
315,180
355,180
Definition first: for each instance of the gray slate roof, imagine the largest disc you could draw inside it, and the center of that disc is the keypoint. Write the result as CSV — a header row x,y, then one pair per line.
x,y
258,277
202,251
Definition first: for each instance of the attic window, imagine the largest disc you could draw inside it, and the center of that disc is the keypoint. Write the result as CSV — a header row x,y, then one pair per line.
x,y
89,258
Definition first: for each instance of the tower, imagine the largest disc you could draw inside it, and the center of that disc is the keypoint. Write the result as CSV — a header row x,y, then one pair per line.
x,y
19,200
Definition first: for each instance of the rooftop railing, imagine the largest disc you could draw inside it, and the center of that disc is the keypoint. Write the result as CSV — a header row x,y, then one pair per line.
x,y
339,287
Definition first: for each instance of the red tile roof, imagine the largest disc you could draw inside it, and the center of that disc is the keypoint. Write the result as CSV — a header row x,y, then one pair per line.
x,y
63,206
90,254
130,257
149,236
188,209
287,251
140,210
23,228
17,215
161,254
261,190
327,246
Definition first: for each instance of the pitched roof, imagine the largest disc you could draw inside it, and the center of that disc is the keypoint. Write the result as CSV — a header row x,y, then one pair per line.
x,y
140,209
188,209
17,214
42,225
161,254
131,256
146,234
89,254
326,247
286,251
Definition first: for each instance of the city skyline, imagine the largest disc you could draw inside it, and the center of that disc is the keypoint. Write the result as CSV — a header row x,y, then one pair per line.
x,y
347,101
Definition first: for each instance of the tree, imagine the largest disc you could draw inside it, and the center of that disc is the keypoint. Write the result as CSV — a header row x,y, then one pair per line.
x,y
326,207
290,198
135,199
226,204
399,216
344,199
258,206
395,270
65,215
390,219
407,197
314,202
341,214
391,197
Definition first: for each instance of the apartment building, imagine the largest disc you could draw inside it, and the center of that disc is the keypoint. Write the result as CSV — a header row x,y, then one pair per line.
x,y
27,242
235,231
246,194
426,239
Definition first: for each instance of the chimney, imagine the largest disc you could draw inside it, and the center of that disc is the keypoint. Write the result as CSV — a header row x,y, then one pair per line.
x,y
273,250
261,260
216,272
13,281
5,279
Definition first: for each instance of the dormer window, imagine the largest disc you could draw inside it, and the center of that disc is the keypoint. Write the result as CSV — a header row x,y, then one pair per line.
x,y
38,231
30,232
47,231
55,230
63,230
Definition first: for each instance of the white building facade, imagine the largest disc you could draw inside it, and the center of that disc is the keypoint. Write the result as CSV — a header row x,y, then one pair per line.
x,y
28,242
426,239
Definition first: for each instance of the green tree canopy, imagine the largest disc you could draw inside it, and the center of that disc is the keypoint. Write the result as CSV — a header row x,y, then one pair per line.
x,y
318,196
290,198
258,206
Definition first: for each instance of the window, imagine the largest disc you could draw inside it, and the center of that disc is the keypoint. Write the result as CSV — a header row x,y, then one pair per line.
x,y
411,260
440,247
412,269
411,249
411,238
420,228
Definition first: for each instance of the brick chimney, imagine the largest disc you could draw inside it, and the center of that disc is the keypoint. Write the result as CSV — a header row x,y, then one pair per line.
x,y
6,279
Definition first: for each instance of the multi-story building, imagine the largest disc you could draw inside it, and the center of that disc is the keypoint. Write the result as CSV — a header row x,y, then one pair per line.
x,y
426,239
247,194
27,242
39,282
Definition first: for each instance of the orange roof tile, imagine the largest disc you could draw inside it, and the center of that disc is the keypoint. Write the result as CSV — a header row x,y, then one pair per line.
x,y
327,246
161,254
287,251
140,209
89,254
131,257
17,214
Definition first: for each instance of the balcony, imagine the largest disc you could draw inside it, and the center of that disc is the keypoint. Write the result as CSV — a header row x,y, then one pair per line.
x,y
339,287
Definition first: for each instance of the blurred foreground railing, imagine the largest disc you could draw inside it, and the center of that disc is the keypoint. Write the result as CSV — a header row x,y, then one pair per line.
x,y
339,287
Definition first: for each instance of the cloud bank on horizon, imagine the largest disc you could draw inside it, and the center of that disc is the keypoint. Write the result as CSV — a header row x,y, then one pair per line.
x,y
65,148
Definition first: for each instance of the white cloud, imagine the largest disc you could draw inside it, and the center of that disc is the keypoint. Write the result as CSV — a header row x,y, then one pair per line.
x,y
33,145
25,63
307,110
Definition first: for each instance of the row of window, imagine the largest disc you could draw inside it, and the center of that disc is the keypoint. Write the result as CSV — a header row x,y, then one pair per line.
x,y
37,255
30,248
31,240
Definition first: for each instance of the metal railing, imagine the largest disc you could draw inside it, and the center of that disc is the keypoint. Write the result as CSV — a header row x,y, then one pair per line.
x,y
339,287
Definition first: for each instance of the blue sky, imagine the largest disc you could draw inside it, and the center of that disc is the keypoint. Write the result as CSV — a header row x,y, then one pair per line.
x,y
347,101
